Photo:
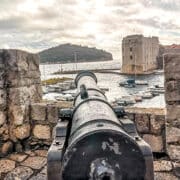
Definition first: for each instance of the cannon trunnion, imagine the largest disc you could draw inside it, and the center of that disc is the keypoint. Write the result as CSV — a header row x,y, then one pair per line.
x,y
97,142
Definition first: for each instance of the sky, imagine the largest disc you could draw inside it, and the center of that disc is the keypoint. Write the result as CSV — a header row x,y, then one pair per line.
x,y
35,25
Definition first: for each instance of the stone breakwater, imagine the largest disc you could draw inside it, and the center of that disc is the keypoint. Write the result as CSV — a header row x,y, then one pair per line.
x,y
27,123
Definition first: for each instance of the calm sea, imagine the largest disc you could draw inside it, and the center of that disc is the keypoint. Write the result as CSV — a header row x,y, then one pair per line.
x,y
110,80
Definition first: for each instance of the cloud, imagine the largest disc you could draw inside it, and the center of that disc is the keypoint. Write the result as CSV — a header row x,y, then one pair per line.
x,y
38,24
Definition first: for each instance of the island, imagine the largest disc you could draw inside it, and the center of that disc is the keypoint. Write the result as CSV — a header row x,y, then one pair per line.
x,y
68,53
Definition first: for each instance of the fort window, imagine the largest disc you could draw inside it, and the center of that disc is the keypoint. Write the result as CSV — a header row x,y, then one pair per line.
x,y
130,48
131,57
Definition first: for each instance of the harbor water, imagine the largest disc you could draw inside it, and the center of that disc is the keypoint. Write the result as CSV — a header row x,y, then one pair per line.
x,y
111,80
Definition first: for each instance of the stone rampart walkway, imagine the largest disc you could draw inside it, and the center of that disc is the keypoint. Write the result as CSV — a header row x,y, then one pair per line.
x,y
32,165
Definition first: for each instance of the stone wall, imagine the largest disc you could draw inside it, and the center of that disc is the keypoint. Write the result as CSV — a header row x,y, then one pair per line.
x,y
20,85
172,96
150,124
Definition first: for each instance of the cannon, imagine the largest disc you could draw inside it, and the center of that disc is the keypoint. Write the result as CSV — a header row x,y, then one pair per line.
x,y
95,141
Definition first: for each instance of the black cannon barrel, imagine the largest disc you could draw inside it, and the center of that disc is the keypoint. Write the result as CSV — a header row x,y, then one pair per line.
x,y
98,147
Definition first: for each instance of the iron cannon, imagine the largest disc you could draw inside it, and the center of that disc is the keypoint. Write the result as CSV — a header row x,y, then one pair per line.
x,y
95,141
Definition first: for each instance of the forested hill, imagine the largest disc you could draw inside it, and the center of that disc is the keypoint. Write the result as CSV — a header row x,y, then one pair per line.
x,y
70,53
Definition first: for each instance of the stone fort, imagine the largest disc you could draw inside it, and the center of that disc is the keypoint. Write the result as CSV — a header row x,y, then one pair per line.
x,y
139,54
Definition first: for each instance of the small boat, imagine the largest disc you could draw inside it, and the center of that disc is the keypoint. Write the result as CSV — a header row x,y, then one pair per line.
x,y
141,82
147,95
157,89
138,98
125,101
130,83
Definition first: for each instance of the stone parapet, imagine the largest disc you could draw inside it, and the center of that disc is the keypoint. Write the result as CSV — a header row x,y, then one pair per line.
x,y
150,124
172,96
20,85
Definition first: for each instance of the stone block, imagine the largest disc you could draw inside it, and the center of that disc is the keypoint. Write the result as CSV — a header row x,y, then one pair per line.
x,y
6,165
42,132
52,113
20,172
142,123
18,114
176,168
157,124
34,61
164,176
171,63
10,59
2,117
4,132
173,152
22,61
22,132
42,153
156,142
35,162
172,76
36,95
173,112
38,111
18,157
19,96
7,148
2,98
162,165
172,134
172,89
22,81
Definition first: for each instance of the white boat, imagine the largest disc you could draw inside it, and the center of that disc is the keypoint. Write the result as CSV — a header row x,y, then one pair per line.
x,y
157,89
147,95
141,82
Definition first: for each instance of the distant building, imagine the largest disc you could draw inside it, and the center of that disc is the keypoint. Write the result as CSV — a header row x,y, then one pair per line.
x,y
139,54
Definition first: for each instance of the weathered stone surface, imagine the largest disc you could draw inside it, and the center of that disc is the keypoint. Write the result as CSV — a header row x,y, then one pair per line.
x,y
174,152
4,133
6,165
17,157
42,132
172,135
2,117
19,96
157,124
176,168
22,132
162,165
38,111
173,111
155,142
18,147
34,61
35,162
2,98
171,63
19,114
172,89
52,113
19,173
30,153
7,148
39,177
164,176
142,123
42,153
